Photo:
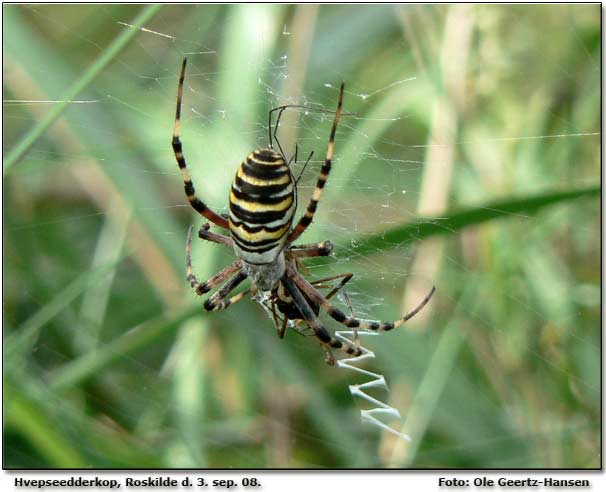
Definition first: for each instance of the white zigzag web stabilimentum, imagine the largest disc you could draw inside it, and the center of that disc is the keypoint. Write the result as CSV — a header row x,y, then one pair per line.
x,y
377,381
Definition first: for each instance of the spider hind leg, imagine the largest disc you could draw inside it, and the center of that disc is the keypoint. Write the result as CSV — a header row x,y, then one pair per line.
x,y
327,341
351,322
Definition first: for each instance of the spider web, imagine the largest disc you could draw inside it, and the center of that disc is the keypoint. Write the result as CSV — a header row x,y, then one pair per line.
x,y
377,182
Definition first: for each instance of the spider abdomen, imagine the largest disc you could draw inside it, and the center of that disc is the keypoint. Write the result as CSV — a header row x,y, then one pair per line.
x,y
262,202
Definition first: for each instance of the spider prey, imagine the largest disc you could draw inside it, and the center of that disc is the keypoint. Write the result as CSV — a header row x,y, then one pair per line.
x,y
262,204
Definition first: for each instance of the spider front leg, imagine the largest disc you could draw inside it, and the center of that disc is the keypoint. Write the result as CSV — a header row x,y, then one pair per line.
x,y
190,191
324,172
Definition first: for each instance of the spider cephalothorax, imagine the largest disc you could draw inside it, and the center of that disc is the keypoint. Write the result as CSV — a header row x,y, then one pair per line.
x,y
262,204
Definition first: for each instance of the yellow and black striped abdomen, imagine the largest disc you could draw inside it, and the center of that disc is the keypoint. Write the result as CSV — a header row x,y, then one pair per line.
x,y
261,206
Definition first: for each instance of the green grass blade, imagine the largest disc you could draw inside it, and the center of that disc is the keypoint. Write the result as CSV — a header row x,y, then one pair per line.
x,y
27,417
86,366
450,224
17,344
95,301
62,434
87,77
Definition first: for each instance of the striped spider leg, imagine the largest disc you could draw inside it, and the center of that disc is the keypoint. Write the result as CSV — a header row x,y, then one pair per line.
x,y
190,191
345,277
308,300
351,322
306,219
232,275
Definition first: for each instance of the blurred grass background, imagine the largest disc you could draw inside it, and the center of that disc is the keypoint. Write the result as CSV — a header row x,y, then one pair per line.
x,y
472,163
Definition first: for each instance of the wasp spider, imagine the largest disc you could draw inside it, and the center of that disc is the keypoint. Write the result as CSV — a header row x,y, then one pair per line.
x,y
262,205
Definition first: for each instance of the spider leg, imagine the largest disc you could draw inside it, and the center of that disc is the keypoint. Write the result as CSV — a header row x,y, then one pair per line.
x,y
349,321
275,318
232,300
312,320
323,248
304,166
351,311
317,194
329,356
218,300
294,157
202,288
281,294
346,277
205,234
190,191
282,329
280,110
